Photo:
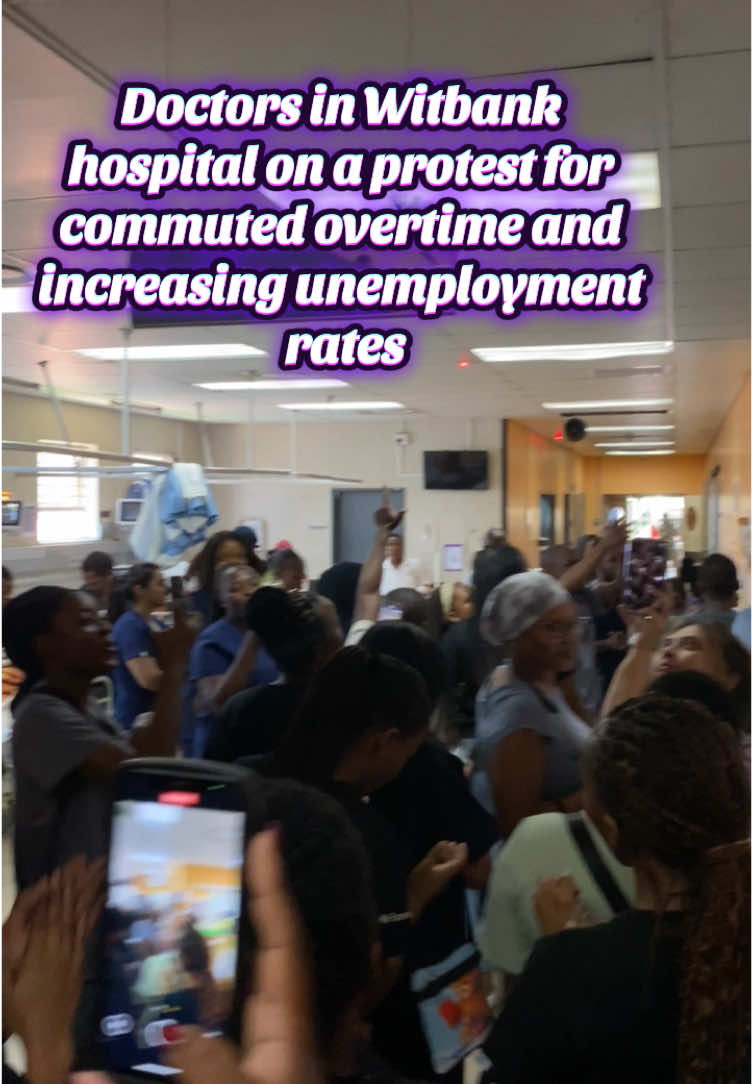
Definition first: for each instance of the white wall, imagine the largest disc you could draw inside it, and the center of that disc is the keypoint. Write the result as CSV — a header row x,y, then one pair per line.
x,y
297,511
302,512
31,418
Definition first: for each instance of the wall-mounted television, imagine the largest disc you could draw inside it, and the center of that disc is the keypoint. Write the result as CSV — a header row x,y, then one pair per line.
x,y
456,470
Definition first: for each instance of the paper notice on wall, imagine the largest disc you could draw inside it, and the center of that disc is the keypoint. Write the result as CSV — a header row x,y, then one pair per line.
x,y
453,557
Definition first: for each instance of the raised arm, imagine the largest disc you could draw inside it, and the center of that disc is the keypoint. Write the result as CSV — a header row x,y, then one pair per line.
x,y
367,592
159,737
578,575
633,675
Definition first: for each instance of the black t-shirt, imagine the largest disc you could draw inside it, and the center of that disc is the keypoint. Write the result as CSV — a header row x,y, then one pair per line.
x,y
252,722
608,661
387,857
594,1006
372,1070
428,802
390,865
458,649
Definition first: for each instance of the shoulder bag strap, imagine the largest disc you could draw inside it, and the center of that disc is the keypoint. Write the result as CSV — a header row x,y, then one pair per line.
x,y
596,865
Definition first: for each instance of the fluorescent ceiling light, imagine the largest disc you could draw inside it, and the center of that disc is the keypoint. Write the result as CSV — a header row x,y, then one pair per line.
x,y
563,352
638,180
367,404
658,451
609,404
189,352
628,428
635,444
270,385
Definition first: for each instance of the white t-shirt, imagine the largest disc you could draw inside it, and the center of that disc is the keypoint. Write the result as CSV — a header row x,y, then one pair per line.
x,y
393,577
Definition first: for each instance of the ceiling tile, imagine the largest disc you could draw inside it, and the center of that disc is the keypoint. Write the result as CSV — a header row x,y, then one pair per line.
x,y
702,116
712,226
714,173
697,27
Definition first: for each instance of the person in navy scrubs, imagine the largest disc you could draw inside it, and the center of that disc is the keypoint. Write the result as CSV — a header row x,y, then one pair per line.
x,y
214,653
137,675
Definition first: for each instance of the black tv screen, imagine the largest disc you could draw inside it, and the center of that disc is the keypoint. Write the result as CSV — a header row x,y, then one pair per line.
x,y
456,470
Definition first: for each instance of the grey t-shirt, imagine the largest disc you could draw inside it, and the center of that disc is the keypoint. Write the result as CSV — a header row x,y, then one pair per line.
x,y
502,710
59,813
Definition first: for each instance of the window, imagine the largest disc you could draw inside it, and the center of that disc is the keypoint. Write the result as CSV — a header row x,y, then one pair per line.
x,y
67,505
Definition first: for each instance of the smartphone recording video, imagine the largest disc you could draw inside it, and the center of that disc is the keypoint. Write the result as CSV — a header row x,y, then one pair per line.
x,y
644,572
172,917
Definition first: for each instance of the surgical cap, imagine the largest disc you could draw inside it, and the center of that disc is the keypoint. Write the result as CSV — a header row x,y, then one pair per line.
x,y
517,603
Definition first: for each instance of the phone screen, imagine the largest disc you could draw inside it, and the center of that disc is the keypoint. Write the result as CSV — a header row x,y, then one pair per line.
x,y
172,919
644,572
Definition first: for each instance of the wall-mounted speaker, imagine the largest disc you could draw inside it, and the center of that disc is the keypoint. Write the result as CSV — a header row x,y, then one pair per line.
x,y
575,430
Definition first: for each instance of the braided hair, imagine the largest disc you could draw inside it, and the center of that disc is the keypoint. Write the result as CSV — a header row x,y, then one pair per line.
x,y
672,778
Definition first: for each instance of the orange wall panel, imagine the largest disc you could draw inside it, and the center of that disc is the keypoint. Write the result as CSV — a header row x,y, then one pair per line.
x,y
640,476
536,465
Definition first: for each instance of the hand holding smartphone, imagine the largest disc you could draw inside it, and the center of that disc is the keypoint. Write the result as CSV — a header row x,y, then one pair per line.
x,y
174,902
644,571
174,644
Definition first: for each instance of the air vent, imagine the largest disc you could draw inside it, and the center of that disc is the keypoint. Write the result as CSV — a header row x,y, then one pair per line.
x,y
144,408
629,370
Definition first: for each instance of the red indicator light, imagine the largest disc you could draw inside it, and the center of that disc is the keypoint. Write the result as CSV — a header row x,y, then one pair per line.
x,y
179,797
558,435
464,363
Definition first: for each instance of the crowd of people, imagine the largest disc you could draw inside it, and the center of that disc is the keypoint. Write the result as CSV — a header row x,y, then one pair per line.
x,y
511,815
